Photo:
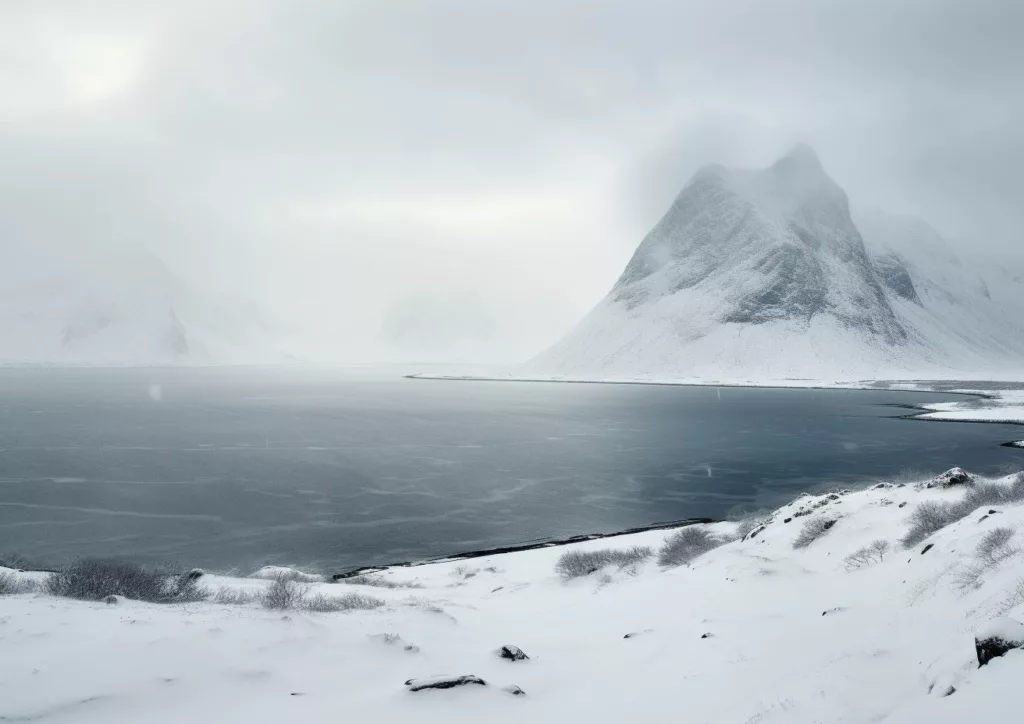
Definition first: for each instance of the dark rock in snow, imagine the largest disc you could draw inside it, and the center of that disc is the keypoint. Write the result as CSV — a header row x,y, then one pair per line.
x,y
903,504
997,637
512,653
927,548
111,600
443,682
707,635
950,478
831,610
993,512
634,634
982,518
514,690
195,574
788,520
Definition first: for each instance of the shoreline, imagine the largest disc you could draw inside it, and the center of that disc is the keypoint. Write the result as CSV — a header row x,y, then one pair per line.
x,y
520,547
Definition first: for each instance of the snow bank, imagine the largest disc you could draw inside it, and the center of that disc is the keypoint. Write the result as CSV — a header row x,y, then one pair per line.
x,y
752,631
1001,406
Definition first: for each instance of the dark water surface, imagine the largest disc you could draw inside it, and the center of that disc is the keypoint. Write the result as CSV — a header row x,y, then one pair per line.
x,y
241,467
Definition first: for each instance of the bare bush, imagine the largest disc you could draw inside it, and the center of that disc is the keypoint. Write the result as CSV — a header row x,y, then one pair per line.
x,y
236,596
93,579
868,555
931,516
927,518
575,564
321,603
1014,598
283,593
969,577
378,582
813,529
686,545
12,585
995,547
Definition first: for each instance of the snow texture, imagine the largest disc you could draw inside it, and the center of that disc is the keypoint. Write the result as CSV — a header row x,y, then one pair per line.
x,y
767,273
751,631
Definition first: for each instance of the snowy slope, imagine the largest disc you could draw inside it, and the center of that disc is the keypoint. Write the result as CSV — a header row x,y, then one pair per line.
x,y
793,635
765,272
947,302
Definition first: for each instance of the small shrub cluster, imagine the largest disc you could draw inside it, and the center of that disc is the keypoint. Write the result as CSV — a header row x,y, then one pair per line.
x,y
931,516
813,529
378,582
866,556
11,585
321,603
576,564
93,579
1014,598
236,597
686,545
285,594
995,547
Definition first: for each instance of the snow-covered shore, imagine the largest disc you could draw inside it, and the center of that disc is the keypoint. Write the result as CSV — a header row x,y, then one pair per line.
x,y
998,406
983,401
752,631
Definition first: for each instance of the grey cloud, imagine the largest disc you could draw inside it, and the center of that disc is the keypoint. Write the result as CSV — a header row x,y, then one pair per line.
x,y
333,160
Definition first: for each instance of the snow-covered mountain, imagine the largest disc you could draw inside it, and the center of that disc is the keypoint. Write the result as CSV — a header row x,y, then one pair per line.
x,y
767,274
124,309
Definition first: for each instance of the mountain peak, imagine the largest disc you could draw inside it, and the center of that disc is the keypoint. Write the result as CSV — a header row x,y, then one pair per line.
x,y
800,157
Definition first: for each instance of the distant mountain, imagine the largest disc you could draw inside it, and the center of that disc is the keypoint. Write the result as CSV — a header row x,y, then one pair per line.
x,y
766,274
441,326
125,309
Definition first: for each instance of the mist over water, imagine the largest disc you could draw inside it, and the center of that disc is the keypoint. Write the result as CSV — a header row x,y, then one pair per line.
x,y
228,468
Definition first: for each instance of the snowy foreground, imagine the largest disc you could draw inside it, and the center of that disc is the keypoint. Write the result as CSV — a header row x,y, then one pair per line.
x,y
752,631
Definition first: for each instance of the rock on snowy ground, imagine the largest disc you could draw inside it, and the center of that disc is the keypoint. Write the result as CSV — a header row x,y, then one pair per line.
x,y
896,643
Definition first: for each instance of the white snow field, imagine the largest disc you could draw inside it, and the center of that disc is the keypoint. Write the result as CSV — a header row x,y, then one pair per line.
x,y
792,635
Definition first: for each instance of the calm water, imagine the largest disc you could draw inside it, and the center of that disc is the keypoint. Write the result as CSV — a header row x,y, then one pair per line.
x,y
228,467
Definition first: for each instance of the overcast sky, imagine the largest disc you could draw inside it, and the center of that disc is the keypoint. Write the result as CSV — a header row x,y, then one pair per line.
x,y
338,160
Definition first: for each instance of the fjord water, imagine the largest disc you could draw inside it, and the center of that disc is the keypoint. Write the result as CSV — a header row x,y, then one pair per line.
x,y
231,467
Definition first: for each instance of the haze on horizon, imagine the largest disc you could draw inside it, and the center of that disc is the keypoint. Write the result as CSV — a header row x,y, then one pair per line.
x,y
347,166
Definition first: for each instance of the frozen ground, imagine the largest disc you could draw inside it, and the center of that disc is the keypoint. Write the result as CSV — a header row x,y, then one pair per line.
x,y
752,631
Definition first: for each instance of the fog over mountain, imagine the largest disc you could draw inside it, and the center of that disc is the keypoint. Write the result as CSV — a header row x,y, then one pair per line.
x,y
299,174
766,274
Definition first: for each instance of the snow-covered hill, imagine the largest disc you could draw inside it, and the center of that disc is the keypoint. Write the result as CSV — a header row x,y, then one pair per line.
x,y
855,627
119,310
766,273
